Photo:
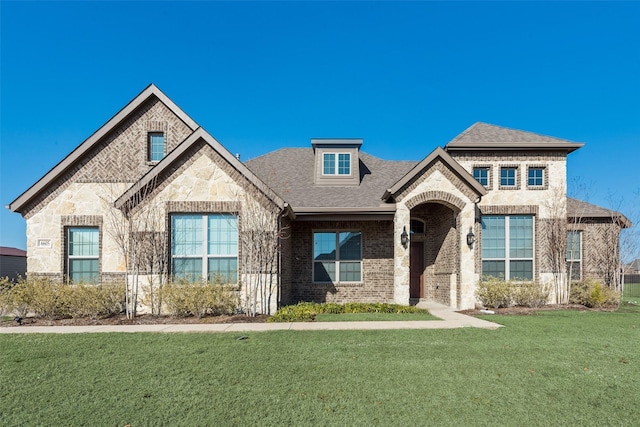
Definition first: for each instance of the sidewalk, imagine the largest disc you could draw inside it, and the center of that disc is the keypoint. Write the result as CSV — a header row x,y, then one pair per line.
x,y
450,320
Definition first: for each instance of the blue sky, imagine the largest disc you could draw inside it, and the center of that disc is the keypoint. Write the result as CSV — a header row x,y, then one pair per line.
x,y
406,77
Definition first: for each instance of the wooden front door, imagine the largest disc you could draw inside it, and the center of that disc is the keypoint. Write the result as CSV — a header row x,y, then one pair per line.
x,y
416,270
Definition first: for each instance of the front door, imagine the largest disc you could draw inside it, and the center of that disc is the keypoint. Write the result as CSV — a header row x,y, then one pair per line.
x,y
416,270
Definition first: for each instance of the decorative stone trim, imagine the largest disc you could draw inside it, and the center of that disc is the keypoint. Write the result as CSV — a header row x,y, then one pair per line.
x,y
443,197
493,156
509,210
428,170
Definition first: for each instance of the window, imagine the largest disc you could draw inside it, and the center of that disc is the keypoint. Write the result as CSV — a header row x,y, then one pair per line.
x,y
508,176
337,256
536,177
83,254
417,226
574,255
155,149
205,246
481,174
507,246
329,164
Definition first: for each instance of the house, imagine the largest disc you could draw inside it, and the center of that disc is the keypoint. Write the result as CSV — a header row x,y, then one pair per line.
x,y
349,226
13,263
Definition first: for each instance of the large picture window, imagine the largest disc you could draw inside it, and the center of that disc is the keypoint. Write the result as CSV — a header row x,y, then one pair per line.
x,y
83,254
574,255
205,247
337,256
507,246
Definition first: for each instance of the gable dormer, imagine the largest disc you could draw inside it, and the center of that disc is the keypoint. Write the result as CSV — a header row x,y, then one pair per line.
x,y
337,162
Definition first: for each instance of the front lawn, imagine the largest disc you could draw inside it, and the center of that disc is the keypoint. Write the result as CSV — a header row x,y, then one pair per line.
x,y
551,368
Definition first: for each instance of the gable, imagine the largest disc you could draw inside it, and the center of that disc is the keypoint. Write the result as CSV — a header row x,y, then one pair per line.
x,y
199,169
114,153
438,167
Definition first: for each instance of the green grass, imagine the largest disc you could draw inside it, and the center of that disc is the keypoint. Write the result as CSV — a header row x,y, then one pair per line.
x,y
631,290
365,317
553,368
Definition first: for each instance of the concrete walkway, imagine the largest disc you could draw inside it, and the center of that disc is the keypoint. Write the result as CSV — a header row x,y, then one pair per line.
x,y
450,320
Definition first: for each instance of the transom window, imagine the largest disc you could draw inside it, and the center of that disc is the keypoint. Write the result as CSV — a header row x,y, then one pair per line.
x,y
574,255
535,177
417,226
83,254
337,256
507,246
481,174
205,247
508,176
155,149
336,164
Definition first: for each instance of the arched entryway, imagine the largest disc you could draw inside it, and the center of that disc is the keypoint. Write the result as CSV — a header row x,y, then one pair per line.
x,y
434,252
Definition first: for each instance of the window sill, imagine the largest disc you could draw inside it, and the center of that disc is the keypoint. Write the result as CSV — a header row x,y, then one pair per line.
x,y
340,284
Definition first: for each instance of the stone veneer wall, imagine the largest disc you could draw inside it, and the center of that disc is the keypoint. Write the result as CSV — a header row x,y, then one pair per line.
x,y
377,263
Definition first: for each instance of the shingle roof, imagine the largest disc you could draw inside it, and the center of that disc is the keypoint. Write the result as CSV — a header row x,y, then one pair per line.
x,y
486,136
579,209
7,251
290,172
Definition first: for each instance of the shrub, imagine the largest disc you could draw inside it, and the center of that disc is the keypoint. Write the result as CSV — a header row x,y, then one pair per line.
x,y
52,300
307,311
494,292
531,294
94,301
592,294
199,299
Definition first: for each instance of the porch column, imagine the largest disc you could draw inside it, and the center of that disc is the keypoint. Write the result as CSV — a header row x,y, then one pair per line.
x,y
401,221
468,276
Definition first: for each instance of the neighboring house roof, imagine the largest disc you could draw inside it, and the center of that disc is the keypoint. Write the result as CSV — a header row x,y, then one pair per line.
x,y
635,265
290,173
199,135
449,161
6,251
89,143
579,209
484,136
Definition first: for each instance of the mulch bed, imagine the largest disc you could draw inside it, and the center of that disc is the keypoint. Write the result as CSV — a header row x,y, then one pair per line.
x,y
143,319
529,311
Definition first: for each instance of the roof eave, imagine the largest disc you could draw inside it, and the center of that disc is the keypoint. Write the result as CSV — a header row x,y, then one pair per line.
x,y
569,147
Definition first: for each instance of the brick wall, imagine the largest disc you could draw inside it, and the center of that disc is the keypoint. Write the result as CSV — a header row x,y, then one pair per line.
x,y
377,263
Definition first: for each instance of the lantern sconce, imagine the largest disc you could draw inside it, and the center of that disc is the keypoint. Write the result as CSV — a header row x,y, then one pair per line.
x,y
471,238
404,238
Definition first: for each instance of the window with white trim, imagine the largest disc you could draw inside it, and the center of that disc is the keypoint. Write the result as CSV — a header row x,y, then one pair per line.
x,y
205,246
574,255
83,254
337,256
535,177
481,174
336,164
155,146
508,176
507,246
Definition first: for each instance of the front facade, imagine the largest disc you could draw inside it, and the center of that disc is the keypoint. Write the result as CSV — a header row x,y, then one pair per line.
x,y
152,193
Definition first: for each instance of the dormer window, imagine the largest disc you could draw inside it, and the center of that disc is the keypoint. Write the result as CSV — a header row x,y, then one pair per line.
x,y
340,167
155,146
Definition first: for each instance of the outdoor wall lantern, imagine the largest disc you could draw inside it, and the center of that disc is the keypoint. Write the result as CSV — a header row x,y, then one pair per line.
x,y
471,238
404,237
